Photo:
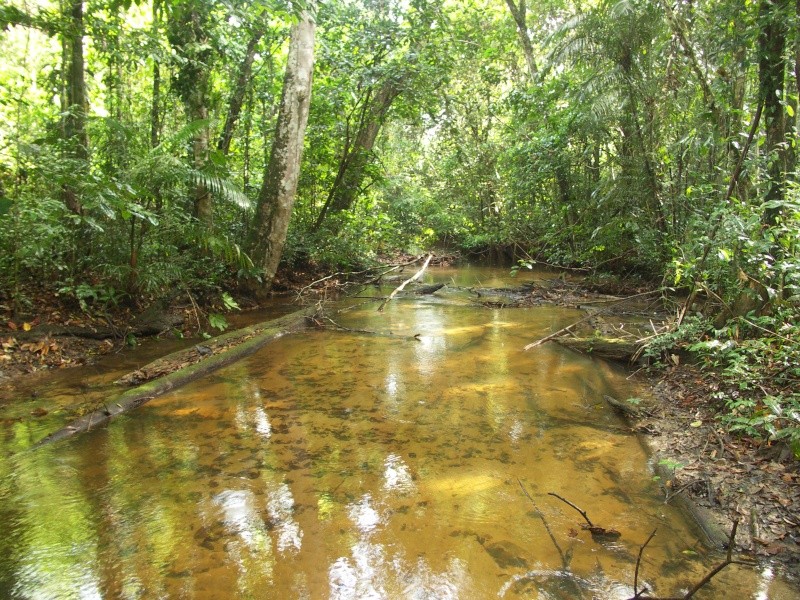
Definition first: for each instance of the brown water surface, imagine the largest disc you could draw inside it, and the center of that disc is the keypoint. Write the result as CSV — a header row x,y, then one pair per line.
x,y
350,466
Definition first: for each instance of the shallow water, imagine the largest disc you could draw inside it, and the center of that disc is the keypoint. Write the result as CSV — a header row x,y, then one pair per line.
x,y
342,465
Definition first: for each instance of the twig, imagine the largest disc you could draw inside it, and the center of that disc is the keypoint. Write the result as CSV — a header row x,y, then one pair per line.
x,y
196,310
564,500
368,331
638,595
557,333
680,490
636,592
564,561
399,288
728,561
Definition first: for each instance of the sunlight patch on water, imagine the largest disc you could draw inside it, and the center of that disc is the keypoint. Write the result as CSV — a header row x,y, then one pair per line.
x,y
363,515
280,505
397,475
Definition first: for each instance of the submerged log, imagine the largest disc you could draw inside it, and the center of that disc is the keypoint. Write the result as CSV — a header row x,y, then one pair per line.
x,y
622,350
426,290
188,365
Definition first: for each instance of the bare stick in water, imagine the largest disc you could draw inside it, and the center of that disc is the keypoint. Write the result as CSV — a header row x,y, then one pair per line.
x,y
595,530
564,561
565,501
400,287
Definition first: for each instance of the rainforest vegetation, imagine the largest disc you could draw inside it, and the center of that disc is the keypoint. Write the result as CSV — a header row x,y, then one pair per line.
x,y
213,145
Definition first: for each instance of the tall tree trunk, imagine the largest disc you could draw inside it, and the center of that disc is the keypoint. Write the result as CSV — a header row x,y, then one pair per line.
x,y
74,124
198,111
772,16
239,91
276,198
356,156
520,18
155,104
188,35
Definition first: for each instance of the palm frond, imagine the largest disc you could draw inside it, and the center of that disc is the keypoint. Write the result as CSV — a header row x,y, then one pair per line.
x,y
184,135
222,187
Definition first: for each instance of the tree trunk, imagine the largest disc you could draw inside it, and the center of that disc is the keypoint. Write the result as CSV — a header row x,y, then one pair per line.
x,y
155,104
771,67
519,14
356,157
239,91
189,38
276,198
75,102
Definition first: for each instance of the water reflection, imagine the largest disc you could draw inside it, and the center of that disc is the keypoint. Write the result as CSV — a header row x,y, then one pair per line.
x,y
348,466
397,475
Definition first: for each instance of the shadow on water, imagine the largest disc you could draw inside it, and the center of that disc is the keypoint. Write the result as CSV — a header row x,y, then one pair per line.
x,y
345,466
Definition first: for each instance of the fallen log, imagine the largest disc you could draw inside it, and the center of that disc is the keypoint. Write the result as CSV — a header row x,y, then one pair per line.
x,y
154,320
426,290
622,350
189,365
623,408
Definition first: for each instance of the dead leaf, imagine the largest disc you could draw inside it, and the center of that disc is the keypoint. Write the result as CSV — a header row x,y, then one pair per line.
x,y
12,326
38,412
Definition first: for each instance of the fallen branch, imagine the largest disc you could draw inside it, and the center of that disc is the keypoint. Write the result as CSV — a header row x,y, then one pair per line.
x,y
622,350
636,592
231,347
639,595
625,298
383,271
318,320
399,288
623,407
558,333
564,561
595,530
580,510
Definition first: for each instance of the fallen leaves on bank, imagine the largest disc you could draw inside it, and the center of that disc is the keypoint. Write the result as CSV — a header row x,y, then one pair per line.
x,y
733,477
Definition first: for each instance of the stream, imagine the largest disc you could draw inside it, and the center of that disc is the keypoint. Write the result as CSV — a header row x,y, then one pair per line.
x,y
343,465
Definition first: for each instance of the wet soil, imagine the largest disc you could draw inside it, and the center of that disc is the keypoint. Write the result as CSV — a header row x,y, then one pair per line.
x,y
723,477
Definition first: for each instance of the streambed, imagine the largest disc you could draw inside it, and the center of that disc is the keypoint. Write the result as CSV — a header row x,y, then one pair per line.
x,y
334,464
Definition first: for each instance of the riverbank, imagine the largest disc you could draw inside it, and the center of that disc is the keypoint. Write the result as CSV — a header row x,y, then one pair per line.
x,y
721,477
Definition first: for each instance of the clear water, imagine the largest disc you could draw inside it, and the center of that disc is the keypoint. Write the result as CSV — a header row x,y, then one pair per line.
x,y
345,465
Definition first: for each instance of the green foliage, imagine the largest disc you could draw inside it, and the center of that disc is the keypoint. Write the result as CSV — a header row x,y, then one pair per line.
x,y
91,297
217,321
758,361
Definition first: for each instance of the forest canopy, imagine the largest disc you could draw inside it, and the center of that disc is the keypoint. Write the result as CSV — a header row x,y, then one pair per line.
x,y
640,136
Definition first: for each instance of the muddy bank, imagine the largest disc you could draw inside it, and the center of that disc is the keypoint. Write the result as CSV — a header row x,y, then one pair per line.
x,y
719,477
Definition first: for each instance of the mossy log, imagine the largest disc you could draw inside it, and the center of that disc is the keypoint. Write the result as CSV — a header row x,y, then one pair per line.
x,y
622,350
188,365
